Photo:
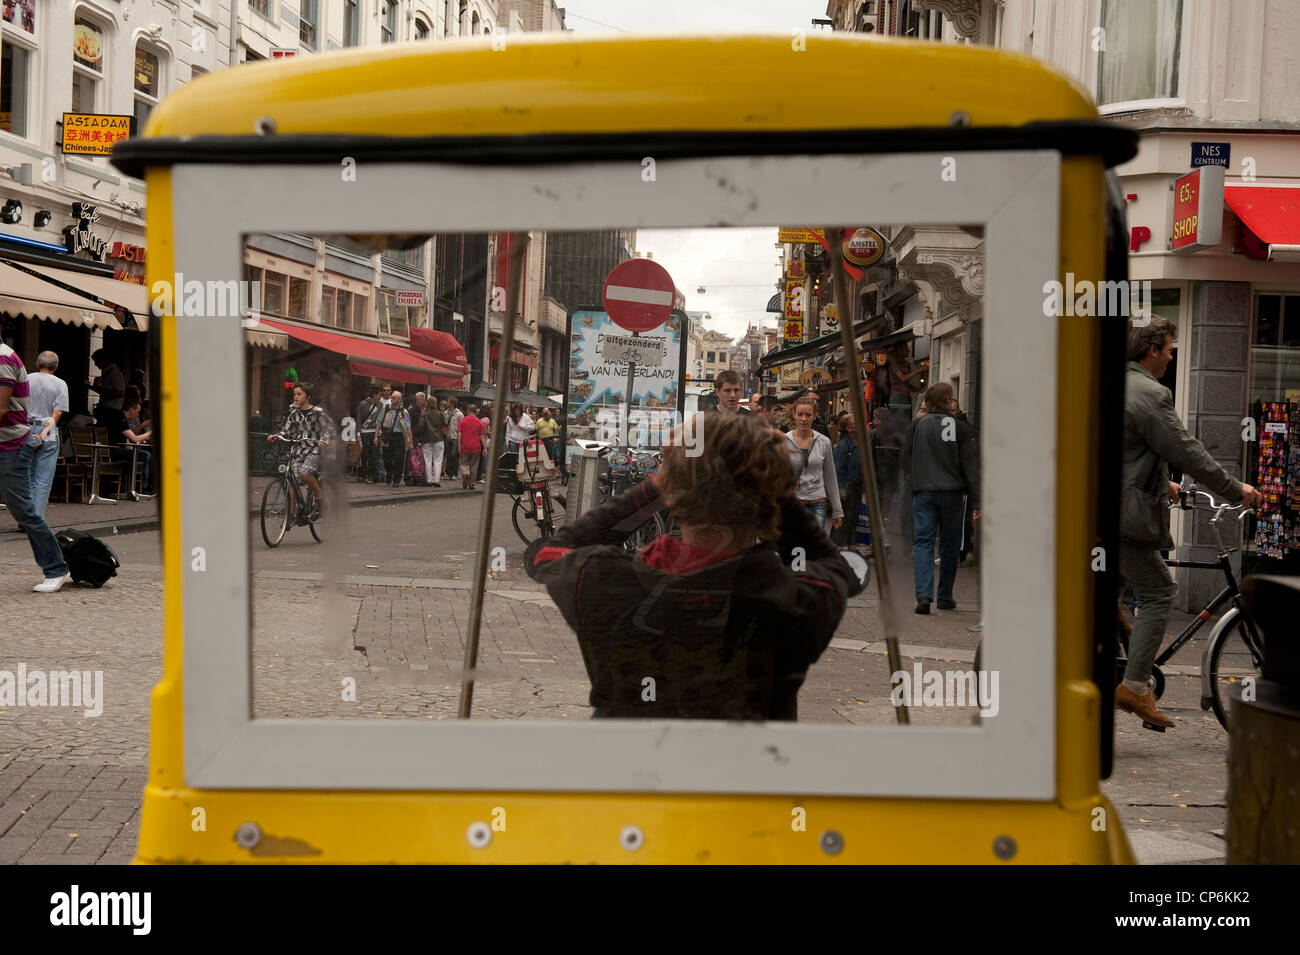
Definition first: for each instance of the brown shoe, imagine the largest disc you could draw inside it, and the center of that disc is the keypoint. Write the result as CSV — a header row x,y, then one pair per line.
x,y
1143,706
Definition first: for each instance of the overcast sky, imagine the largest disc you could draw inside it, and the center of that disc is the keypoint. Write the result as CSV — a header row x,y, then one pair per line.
x,y
738,267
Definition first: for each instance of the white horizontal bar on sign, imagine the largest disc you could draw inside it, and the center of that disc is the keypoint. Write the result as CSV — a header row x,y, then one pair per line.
x,y
647,296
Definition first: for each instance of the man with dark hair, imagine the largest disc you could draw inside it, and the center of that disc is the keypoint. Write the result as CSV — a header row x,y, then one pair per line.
x,y
941,458
767,406
727,388
1153,435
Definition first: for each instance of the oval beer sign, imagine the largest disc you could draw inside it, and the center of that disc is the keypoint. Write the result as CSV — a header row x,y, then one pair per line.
x,y
865,248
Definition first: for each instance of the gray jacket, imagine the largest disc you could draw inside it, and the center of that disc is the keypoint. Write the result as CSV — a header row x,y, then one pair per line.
x,y
1153,435
936,464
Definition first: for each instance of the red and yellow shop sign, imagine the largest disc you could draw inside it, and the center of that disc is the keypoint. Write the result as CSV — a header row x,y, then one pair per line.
x,y
1198,210
793,300
865,247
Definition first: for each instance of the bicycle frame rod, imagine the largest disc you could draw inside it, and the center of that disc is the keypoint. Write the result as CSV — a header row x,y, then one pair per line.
x,y
888,611
514,295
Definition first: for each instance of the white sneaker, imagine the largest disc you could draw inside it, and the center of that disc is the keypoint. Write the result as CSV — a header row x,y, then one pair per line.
x,y
52,584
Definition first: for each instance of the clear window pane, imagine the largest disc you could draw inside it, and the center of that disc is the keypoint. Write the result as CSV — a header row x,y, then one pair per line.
x,y
327,305
13,89
360,306
83,93
143,109
343,310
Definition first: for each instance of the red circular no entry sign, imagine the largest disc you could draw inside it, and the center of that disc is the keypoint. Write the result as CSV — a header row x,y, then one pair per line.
x,y
638,294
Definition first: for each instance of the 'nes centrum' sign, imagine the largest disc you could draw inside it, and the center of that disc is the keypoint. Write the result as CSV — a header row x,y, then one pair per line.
x,y
1197,210
646,352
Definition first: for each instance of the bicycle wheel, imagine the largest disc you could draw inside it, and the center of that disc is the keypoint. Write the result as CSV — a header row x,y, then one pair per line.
x,y
275,513
644,535
524,517
1236,665
323,526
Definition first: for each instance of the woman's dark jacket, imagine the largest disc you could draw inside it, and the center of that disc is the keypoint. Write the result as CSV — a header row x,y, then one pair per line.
x,y
732,640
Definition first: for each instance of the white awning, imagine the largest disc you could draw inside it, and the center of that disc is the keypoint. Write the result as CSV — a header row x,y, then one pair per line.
x,y
24,294
134,298
255,333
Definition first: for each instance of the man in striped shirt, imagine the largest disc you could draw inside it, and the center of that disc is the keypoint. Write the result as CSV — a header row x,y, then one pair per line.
x,y
15,480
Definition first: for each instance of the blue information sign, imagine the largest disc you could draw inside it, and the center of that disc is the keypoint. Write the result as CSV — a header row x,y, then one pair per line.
x,y
1210,154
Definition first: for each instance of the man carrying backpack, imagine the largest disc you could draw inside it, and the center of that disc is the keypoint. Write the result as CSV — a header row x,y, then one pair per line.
x,y
15,475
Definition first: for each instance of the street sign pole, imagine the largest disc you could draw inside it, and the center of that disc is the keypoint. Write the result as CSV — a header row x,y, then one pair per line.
x,y
627,419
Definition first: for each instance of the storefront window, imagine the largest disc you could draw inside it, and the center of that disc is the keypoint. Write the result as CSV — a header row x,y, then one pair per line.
x,y
87,64
1275,348
299,289
1141,54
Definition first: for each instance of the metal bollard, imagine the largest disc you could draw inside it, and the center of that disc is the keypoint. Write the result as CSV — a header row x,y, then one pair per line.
x,y
1264,750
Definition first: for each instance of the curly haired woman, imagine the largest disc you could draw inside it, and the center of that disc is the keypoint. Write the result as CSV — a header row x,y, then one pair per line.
x,y
725,620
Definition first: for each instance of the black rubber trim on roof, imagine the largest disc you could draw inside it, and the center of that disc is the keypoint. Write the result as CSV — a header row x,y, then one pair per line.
x,y
1114,144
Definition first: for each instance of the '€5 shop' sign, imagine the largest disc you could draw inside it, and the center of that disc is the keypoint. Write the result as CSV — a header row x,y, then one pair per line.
x,y
1197,210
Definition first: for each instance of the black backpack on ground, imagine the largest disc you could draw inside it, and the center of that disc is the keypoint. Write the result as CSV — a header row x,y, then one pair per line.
x,y
88,558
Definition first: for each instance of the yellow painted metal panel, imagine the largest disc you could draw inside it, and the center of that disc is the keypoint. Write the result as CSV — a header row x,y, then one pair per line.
x,y
549,83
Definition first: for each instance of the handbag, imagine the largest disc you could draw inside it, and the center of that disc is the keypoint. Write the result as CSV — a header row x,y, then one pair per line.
x,y
414,463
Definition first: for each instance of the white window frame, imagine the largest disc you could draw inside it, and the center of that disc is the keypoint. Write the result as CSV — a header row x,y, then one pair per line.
x,y
1136,105
1014,195
30,43
355,23
387,21
164,67
103,97
268,16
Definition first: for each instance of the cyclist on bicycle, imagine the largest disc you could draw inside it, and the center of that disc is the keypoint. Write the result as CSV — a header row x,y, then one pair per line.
x,y
1153,435
304,424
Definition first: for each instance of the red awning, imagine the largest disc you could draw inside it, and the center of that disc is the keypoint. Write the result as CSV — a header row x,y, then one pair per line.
x,y
439,345
1272,216
372,358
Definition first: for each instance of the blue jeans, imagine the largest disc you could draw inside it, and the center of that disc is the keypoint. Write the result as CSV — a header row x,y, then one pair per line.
x,y
16,489
42,459
936,513
818,511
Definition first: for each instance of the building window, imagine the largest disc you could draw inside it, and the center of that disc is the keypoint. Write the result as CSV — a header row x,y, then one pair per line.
x,y
476,25
87,65
196,72
388,25
343,308
146,86
422,31
15,88
327,304
21,15
1141,56
308,18
273,292
351,22
253,280
299,289
1275,348
264,8
711,358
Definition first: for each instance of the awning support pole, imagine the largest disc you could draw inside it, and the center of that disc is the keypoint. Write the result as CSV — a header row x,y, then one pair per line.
x,y
888,611
514,296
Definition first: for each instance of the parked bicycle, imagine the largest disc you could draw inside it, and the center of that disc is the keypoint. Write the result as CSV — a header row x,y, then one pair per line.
x,y
1233,657
287,502
625,469
537,512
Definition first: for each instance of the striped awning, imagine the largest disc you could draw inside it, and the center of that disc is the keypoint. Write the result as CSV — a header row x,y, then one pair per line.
x,y
30,296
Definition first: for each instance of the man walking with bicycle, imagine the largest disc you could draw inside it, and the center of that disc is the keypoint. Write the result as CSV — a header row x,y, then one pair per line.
x,y
1155,438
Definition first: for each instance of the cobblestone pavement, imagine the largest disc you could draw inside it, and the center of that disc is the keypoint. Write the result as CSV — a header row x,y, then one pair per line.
x,y
70,784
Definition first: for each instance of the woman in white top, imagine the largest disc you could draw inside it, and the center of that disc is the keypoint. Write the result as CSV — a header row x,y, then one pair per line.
x,y
519,427
814,462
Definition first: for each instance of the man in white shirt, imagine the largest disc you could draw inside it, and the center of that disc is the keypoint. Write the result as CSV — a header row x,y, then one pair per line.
x,y
47,403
